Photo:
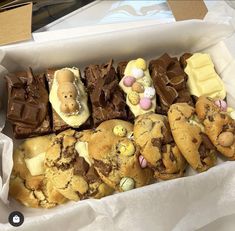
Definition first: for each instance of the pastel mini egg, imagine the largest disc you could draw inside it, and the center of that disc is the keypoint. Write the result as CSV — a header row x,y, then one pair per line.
x,y
226,139
221,104
128,81
140,63
127,183
142,161
145,103
138,87
149,92
126,148
119,130
137,73
134,97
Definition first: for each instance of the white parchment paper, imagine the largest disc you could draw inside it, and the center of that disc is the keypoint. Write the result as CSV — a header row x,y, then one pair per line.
x,y
182,204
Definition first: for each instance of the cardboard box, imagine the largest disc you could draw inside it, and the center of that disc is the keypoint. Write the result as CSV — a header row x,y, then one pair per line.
x,y
181,204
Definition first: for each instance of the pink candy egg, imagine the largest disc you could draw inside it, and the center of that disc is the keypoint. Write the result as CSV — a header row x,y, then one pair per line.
x,y
221,104
128,81
143,162
145,103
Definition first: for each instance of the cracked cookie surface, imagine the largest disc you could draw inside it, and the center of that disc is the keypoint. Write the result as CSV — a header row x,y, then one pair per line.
x,y
219,126
152,133
190,137
33,190
115,156
70,169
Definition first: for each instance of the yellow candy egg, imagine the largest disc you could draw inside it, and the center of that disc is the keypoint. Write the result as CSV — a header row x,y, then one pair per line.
x,y
126,148
140,63
119,130
134,97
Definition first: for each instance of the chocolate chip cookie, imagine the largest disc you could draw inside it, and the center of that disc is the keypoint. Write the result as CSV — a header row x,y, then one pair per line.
x,y
28,183
116,156
190,137
152,133
70,169
219,126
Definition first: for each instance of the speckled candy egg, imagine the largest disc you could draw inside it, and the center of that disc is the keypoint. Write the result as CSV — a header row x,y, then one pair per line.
x,y
128,81
221,104
145,103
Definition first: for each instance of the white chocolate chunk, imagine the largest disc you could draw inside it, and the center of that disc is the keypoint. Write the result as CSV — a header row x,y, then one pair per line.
x,y
35,164
82,149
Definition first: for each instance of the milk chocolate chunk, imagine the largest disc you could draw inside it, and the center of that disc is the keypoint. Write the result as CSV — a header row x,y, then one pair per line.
x,y
28,104
169,80
106,97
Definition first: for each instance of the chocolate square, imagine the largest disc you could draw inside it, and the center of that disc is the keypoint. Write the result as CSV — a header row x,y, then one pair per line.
x,y
28,104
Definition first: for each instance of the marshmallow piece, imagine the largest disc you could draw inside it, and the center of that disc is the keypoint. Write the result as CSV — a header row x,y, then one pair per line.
x,y
35,164
149,92
137,73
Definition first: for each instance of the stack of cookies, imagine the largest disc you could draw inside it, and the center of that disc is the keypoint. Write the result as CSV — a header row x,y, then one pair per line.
x,y
113,131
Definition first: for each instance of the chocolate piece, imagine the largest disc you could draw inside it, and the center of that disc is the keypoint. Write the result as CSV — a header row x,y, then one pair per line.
x,y
206,141
169,81
28,104
92,175
183,59
104,168
80,166
105,95
121,69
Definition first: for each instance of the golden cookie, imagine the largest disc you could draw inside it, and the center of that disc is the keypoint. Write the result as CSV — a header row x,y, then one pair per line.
x,y
152,133
219,126
189,136
70,169
28,183
116,158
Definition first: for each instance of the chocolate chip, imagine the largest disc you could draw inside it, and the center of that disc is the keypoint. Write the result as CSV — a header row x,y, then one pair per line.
x,y
222,116
225,127
104,168
194,140
178,118
160,166
164,149
92,175
156,142
211,119
80,166
202,151
172,157
206,141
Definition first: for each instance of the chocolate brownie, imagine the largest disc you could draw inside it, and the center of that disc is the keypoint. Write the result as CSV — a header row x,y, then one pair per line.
x,y
107,100
28,107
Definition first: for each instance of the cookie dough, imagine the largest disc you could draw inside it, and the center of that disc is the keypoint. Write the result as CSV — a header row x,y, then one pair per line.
x,y
28,183
219,126
138,86
69,98
116,156
190,137
152,133
70,169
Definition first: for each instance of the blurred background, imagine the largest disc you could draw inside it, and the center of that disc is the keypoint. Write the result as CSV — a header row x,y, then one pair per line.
x,y
47,11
